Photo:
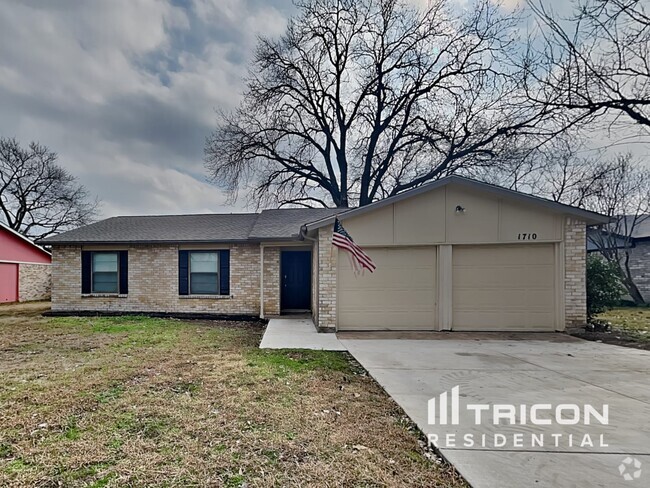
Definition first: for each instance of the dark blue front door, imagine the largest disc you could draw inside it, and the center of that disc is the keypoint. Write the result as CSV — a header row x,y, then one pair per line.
x,y
295,269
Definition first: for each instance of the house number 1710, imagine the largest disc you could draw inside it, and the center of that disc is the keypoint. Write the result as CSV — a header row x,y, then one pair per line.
x,y
527,237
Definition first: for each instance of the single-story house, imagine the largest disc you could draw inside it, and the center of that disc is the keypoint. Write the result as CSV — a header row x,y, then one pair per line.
x,y
638,246
454,254
24,268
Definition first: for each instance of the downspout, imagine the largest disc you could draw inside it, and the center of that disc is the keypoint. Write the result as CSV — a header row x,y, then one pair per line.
x,y
261,280
303,234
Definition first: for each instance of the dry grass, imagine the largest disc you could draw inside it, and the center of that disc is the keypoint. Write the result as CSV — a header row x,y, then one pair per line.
x,y
632,321
135,401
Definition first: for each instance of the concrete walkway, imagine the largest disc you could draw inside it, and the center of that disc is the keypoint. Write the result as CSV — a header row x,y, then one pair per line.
x,y
298,333
550,369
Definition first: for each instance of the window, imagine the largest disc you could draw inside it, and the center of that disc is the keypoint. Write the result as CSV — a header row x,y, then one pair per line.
x,y
104,272
204,272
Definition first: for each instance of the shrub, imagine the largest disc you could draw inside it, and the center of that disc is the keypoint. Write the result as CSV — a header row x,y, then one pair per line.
x,y
604,289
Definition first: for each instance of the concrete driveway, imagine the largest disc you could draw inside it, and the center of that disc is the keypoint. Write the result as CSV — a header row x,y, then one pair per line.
x,y
529,369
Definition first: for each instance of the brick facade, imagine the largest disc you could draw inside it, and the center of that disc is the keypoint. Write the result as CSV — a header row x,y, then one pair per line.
x,y
153,283
34,282
327,263
153,280
575,272
271,281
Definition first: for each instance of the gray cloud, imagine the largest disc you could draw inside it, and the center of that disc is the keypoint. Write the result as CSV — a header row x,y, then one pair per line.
x,y
126,91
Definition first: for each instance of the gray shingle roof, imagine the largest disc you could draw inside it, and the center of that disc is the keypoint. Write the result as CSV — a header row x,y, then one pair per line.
x,y
642,227
286,222
161,228
270,224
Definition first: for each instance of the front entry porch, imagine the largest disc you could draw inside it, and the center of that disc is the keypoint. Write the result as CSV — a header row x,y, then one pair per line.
x,y
297,333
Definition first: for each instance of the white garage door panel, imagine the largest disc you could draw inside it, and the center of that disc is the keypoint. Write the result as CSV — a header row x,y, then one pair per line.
x,y
504,287
399,295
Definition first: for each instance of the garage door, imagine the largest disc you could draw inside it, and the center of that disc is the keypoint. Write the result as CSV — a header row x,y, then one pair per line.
x,y
504,287
399,295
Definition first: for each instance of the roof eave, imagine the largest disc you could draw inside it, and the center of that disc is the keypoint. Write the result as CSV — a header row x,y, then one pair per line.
x,y
252,240
167,241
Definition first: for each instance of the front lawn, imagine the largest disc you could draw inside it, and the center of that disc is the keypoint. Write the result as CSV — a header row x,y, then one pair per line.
x,y
630,322
135,401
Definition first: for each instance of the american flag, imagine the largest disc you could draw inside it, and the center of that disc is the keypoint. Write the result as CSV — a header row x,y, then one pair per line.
x,y
359,259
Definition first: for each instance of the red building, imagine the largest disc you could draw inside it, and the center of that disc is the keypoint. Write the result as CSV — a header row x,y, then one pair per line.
x,y
25,272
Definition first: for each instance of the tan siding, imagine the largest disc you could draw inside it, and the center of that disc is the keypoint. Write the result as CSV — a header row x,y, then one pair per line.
x,y
478,223
375,228
431,218
421,219
517,218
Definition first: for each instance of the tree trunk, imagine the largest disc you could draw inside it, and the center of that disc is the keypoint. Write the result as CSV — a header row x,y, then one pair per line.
x,y
628,282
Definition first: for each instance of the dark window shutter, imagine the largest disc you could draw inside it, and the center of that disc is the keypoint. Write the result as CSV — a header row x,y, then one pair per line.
x,y
86,265
124,272
183,270
224,272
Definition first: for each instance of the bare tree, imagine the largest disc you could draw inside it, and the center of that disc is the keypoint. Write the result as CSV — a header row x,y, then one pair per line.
x,y
624,195
37,197
563,170
593,63
363,99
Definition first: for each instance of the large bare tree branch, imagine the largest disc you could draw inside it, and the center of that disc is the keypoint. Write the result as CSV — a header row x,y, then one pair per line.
x,y
38,198
361,99
594,63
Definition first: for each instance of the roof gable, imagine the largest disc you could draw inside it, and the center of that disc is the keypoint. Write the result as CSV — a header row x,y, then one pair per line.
x,y
16,247
592,218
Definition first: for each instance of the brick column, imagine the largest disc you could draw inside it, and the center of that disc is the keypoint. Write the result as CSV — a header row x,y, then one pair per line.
x,y
271,281
575,272
327,261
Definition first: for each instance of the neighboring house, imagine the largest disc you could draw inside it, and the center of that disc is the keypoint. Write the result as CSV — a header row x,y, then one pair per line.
x,y
639,251
24,268
455,254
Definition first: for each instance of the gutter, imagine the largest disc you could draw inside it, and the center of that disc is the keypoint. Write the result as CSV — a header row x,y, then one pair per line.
x,y
174,241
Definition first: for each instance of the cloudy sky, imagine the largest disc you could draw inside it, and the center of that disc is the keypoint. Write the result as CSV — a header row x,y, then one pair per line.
x,y
126,90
